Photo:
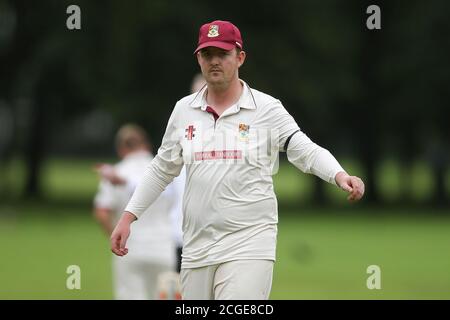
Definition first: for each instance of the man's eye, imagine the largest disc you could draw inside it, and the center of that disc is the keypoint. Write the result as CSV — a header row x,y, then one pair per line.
x,y
208,55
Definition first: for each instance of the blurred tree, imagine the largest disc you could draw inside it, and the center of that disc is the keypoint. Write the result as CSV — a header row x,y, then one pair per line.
x,y
36,71
414,72
384,92
367,114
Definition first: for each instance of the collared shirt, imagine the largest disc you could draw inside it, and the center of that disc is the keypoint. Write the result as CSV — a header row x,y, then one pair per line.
x,y
229,205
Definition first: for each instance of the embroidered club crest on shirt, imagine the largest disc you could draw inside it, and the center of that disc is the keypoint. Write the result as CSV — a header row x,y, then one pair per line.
x,y
189,132
243,131
213,31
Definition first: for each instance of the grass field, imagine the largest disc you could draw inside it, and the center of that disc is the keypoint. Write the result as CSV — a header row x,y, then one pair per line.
x,y
327,256
322,253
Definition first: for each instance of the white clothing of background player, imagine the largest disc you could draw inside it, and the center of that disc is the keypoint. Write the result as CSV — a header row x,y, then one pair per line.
x,y
153,241
228,136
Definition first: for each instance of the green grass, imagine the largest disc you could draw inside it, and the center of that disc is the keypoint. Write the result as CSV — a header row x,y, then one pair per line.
x,y
61,178
393,183
321,255
41,243
326,256
65,179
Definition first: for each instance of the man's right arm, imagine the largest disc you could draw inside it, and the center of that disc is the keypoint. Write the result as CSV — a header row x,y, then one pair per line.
x,y
166,165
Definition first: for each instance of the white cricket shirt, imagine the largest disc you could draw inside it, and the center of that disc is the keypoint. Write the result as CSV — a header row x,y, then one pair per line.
x,y
229,205
153,238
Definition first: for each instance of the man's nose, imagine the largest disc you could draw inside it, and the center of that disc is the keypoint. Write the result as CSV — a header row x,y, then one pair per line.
x,y
215,60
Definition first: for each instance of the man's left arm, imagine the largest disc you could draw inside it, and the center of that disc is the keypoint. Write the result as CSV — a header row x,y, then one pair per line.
x,y
310,157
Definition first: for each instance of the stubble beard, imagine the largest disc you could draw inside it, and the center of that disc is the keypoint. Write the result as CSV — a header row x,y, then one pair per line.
x,y
218,83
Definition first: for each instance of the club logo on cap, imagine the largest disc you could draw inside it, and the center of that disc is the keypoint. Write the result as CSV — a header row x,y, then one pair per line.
x,y
213,31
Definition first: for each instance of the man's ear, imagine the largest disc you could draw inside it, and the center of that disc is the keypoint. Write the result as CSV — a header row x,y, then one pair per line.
x,y
242,56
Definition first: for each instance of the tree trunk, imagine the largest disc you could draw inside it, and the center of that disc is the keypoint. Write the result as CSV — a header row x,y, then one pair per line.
x,y
34,150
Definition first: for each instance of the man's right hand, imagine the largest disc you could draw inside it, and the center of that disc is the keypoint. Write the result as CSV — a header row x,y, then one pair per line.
x,y
121,233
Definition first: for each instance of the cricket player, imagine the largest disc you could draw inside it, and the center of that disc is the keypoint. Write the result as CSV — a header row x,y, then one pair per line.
x,y
153,240
228,135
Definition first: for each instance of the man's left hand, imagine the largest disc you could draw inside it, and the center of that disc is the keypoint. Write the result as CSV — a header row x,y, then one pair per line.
x,y
351,184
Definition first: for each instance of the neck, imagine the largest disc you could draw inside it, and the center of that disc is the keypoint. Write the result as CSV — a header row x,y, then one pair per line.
x,y
222,98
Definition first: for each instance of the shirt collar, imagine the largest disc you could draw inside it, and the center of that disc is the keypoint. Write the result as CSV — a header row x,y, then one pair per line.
x,y
246,100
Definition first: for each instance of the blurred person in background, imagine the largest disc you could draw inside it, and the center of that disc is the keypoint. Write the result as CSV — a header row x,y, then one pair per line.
x,y
198,82
154,241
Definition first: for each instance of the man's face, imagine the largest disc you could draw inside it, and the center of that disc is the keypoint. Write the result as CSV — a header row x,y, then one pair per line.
x,y
220,67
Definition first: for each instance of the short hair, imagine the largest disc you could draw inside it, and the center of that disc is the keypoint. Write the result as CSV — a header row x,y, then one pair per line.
x,y
132,137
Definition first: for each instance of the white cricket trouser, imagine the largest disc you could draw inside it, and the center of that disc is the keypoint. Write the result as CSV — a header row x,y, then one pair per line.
x,y
232,280
136,279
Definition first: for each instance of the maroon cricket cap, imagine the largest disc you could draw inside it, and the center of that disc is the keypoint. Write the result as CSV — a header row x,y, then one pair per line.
x,y
221,34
